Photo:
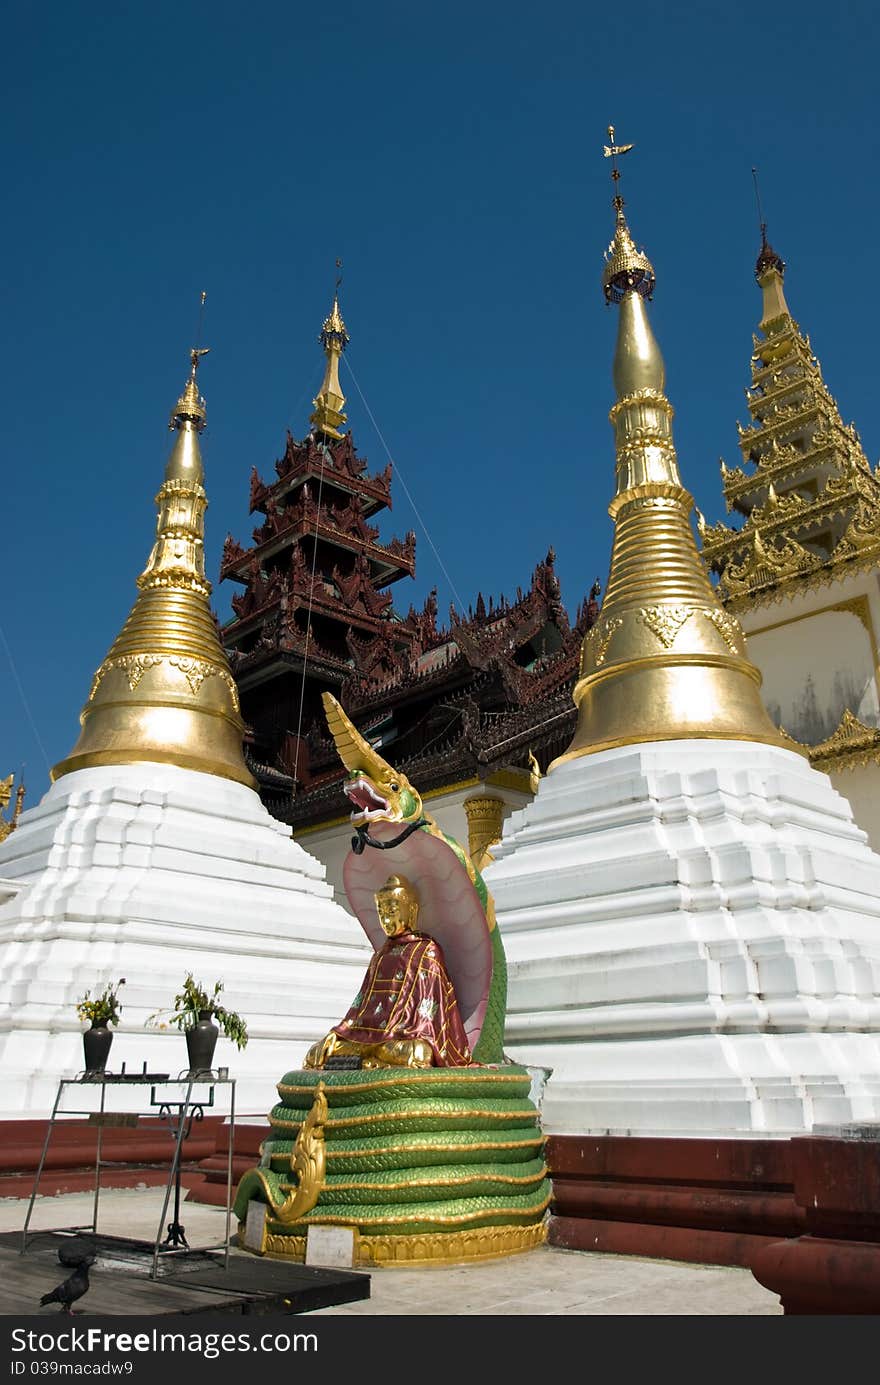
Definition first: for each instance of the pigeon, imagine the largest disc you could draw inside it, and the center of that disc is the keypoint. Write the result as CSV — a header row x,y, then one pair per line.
x,y
73,1287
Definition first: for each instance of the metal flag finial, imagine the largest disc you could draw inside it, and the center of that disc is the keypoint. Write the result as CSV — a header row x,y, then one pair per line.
x,y
611,151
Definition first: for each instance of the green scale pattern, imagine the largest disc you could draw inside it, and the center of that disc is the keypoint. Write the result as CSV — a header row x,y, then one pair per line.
x,y
410,1151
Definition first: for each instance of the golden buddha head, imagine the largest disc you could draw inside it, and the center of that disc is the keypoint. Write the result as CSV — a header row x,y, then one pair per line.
x,y
397,905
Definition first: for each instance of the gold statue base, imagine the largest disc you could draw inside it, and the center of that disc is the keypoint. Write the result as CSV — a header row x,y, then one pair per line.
x,y
434,1248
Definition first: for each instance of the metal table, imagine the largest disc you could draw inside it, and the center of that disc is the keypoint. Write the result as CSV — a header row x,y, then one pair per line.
x,y
180,1101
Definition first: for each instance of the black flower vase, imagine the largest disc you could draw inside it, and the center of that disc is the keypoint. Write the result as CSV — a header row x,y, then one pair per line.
x,y
96,1046
201,1040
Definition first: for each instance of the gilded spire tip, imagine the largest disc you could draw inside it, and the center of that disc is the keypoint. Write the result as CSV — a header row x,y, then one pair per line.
x,y
328,403
333,332
767,256
191,406
627,269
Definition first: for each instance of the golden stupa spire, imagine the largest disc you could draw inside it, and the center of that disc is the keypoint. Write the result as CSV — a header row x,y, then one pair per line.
x,y
664,661
165,691
769,270
328,415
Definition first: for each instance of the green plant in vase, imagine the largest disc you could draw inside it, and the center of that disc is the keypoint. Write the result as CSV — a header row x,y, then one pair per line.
x,y
101,1010
199,1013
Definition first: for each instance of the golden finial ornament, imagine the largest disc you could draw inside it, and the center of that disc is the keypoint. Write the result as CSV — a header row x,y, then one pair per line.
x,y
664,661
8,825
534,772
769,269
626,267
328,403
165,691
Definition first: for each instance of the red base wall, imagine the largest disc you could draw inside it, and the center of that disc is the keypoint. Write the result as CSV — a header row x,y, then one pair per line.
x,y
711,1201
212,1184
142,1154
835,1267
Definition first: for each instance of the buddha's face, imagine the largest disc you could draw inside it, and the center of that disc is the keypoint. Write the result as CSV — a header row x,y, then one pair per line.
x,y
397,907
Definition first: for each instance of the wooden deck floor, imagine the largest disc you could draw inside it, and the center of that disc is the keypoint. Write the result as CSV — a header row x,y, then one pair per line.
x,y
248,1285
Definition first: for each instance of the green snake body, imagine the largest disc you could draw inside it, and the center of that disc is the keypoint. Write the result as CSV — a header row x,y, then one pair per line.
x,y
430,1151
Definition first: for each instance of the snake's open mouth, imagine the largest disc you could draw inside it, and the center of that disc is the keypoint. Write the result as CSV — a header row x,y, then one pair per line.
x,y
368,804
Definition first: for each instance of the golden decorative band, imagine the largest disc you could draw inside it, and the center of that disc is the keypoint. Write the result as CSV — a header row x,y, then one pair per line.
x,y
425,1248
195,671
673,493
344,1122
645,396
451,1076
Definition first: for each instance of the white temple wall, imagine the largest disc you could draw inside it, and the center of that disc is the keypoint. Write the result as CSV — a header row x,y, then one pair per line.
x,y
149,871
818,655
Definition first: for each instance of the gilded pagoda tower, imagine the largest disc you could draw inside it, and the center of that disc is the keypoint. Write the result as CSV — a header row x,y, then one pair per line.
x,y
165,692
809,500
799,569
664,661
689,910
151,853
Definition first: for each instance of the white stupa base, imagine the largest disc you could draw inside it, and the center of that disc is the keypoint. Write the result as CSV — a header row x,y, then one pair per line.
x,y
692,931
149,871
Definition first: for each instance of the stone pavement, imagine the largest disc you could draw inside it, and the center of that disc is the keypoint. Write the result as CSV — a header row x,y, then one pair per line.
x,y
537,1283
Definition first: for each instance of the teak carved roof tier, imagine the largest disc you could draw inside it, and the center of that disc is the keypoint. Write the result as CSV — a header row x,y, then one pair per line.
x,y
465,701
810,501
315,563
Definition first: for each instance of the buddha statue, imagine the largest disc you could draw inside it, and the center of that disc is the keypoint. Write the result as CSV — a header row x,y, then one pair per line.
x,y
406,1013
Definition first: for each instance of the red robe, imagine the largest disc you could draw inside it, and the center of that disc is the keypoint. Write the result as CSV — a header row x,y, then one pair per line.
x,y
407,994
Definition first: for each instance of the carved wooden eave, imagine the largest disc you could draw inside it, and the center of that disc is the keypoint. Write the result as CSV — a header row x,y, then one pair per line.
x,y
259,491
851,745
423,625
288,652
358,592
361,694
377,658
267,774
390,561
262,591
338,463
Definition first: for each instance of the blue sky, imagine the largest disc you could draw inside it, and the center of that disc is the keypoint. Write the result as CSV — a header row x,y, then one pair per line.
x,y
451,156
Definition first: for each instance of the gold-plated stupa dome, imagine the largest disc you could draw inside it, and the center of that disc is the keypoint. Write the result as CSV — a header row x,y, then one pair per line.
x,y
328,404
664,661
165,691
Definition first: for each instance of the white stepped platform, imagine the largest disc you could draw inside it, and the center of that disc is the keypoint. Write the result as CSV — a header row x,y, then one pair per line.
x,y
149,871
693,938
